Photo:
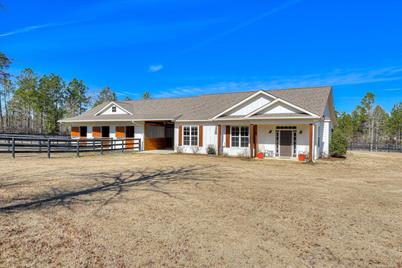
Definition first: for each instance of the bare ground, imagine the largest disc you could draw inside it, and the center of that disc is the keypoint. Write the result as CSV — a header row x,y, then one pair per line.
x,y
196,211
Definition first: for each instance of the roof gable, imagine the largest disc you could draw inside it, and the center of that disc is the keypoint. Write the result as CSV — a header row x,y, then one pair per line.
x,y
113,109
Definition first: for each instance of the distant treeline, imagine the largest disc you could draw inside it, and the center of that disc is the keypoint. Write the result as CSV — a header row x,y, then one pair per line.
x,y
371,124
33,104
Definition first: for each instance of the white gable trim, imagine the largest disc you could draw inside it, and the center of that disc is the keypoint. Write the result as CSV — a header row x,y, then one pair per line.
x,y
110,104
262,108
243,101
284,102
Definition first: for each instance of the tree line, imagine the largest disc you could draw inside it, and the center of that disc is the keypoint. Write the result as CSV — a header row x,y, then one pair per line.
x,y
368,123
33,104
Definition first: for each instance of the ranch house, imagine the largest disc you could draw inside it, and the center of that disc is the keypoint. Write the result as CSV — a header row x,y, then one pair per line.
x,y
278,123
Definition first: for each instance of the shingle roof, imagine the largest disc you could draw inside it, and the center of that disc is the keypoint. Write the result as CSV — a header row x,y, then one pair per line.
x,y
206,106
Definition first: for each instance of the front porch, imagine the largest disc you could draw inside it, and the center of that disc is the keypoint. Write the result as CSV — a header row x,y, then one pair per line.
x,y
284,141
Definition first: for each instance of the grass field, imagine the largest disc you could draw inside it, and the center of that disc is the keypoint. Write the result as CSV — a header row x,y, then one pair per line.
x,y
127,210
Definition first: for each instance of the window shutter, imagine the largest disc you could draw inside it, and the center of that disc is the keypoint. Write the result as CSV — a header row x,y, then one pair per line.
x,y
180,135
96,132
75,132
200,136
227,136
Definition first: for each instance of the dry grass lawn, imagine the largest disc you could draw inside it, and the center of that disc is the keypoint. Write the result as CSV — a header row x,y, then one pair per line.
x,y
125,210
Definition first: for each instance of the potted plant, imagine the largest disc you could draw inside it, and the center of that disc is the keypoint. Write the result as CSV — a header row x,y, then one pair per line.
x,y
211,150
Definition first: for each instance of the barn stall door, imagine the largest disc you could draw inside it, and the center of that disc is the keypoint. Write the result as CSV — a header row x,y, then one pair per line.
x,y
130,134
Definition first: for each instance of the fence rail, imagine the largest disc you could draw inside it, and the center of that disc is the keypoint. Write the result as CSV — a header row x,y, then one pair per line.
x,y
14,145
375,147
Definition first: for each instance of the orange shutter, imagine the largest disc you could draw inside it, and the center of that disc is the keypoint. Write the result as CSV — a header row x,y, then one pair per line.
x,y
200,137
180,135
120,132
75,132
96,132
227,136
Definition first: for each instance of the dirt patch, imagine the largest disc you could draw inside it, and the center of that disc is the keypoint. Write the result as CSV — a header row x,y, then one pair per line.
x,y
129,210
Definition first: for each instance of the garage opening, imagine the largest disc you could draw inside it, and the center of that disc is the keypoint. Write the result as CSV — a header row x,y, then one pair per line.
x,y
159,135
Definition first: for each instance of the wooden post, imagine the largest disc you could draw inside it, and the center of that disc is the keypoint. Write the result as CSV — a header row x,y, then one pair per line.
x,y
13,148
78,148
122,145
311,143
218,152
101,142
40,145
9,145
256,140
251,135
48,148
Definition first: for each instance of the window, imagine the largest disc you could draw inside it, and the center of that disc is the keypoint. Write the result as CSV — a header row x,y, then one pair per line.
x,y
113,109
240,137
190,135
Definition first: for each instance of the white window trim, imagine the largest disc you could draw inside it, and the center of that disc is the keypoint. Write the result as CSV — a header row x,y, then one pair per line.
x,y
239,137
198,133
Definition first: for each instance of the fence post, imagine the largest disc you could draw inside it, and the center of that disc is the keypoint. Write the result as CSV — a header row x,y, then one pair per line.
x,y
40,145
9,145
101,142
13,144
78,148
48,148
93,145
122,145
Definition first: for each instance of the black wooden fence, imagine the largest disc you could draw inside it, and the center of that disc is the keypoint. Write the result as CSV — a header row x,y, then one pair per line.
x,y
17,144
386,147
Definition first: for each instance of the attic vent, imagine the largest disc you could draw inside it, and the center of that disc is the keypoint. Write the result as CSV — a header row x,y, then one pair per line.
x,y
113,109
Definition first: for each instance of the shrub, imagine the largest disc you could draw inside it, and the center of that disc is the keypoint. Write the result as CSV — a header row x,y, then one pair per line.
x,y
338,144
179,149
211,149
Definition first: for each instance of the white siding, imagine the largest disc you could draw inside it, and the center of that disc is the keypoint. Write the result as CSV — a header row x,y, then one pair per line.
x,y
209,138
279,109
326,137
251,106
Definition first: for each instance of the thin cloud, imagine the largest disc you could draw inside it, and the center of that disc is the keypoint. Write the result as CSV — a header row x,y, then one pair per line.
x,y
338,78
38,27
392,89
243,25
155,68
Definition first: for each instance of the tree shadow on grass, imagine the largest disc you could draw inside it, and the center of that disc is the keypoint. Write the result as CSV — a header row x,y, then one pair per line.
x,y
115,184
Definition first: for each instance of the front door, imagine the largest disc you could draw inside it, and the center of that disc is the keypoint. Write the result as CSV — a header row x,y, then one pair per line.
x,y
286,143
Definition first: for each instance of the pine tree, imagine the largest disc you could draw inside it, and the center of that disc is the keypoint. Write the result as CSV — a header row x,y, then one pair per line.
x,y
105,95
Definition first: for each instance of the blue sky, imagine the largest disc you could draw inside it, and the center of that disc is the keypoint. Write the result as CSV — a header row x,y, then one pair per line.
x,y
182,48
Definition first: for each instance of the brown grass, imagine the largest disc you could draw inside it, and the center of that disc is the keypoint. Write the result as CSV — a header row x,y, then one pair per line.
x,y
196,211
